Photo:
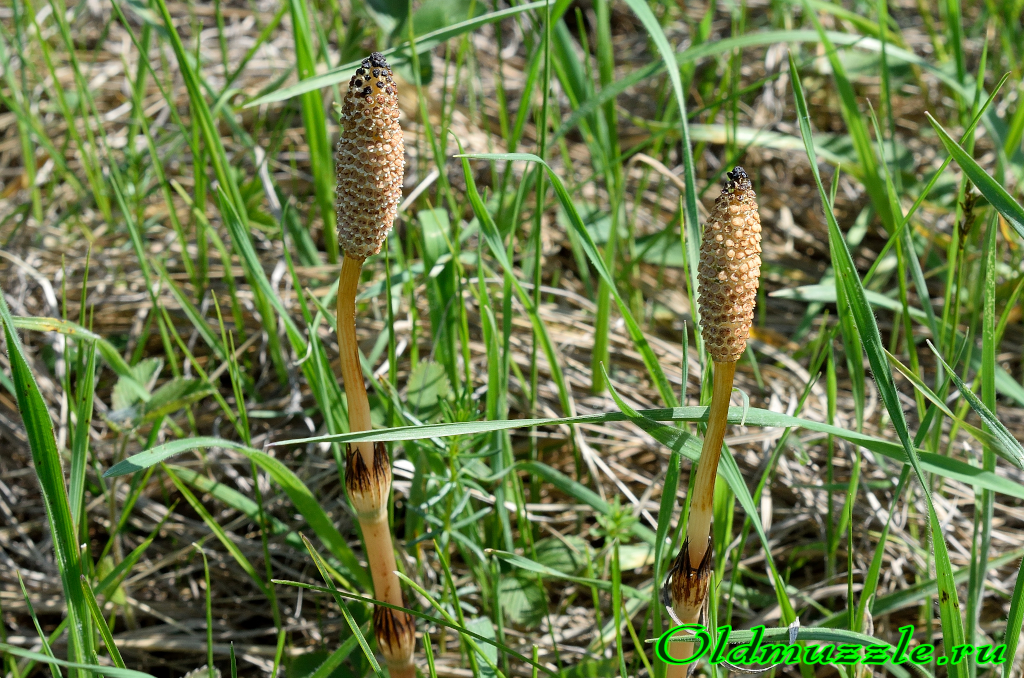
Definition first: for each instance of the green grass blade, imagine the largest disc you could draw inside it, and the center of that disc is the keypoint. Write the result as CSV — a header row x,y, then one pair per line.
x,y
490,232
101,624
1004,439
867,326
48,468
933,463
1014,621
238,501
76,331
80,440
856,128
997,196
201,112
320,157
424,44
325,573
45,643
300,495
692,221
111,671
218,531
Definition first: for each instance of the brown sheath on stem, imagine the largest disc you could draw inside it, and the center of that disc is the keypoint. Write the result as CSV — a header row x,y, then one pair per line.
x,y
728,277
370,169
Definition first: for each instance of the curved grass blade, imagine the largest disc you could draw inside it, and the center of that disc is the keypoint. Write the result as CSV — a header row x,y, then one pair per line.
x,y
1005,441
353,626
856,127
76,331
933,463
867,326
48,468
201,112
424,43
998,196
218,532
497,247
299,494
111,671
237,501
692,221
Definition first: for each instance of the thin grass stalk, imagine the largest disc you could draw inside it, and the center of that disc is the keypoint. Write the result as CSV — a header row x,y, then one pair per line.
x,y
613,179
315,124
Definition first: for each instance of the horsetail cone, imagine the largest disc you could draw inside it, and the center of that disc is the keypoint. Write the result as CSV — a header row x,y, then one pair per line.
x,y
730,269
371,159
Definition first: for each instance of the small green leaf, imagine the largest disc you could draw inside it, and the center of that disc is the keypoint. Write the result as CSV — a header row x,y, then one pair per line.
x,y
427,385
136,387
483,626
173,396
522,600
567,555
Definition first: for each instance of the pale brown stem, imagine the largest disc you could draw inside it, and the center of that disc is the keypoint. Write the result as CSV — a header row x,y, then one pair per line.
x,y
351,373
381,557
371,504
702,502
698,527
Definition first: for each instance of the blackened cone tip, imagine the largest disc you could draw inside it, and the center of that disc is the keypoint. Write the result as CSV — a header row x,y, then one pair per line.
x,y
737,178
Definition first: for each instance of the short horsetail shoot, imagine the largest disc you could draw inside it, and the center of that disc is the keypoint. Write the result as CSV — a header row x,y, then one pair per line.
x,y
728,277
370,169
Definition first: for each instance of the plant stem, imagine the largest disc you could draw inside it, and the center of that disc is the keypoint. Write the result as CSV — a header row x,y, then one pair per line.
x,y
691,571
368,479
351,372
702,504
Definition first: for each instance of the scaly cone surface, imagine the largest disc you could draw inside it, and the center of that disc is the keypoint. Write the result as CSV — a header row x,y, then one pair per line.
x,y
370,161
730,269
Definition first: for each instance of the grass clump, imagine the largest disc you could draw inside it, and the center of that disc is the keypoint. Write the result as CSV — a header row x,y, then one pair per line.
x,y
185,485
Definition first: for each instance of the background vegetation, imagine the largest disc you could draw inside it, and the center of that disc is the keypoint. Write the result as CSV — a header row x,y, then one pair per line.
x,y
168,259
